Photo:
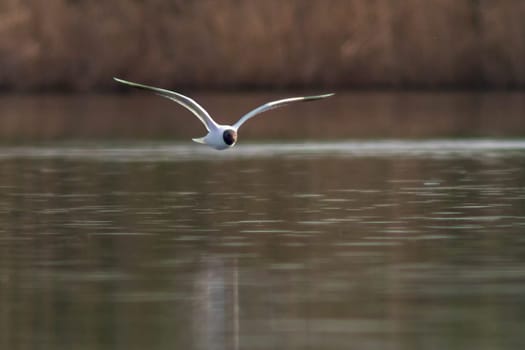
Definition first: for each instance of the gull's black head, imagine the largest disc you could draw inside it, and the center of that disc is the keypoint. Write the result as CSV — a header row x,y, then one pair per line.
x,y
229,137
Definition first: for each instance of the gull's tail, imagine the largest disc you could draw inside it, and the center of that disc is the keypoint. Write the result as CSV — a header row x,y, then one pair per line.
x,y
200,140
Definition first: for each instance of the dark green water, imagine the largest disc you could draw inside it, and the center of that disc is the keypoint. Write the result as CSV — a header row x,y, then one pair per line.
x,y
374,245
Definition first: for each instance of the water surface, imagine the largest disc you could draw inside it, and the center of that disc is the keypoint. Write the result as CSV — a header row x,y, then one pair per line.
x,y
347,115
340,245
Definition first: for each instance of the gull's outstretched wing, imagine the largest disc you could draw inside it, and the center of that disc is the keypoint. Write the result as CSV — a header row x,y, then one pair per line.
x,y
185,101
276,104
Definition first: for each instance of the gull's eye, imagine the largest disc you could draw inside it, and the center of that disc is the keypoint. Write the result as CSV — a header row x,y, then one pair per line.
x,y
229,137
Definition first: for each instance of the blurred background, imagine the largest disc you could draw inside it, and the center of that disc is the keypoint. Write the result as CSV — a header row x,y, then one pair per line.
x,y
75,45
210,48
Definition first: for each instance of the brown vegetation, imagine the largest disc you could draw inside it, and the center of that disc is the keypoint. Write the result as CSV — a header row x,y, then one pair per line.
x,y
79,45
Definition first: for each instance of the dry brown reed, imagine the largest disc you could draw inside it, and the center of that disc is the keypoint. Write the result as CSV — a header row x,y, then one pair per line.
x,y
79,45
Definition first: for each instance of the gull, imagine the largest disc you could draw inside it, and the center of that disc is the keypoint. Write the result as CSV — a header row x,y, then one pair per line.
x,y
219,136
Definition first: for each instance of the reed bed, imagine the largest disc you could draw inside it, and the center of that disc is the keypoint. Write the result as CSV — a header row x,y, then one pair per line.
x,y
78,45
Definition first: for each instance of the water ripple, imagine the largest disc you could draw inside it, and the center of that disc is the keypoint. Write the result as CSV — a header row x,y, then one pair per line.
x,y
158,152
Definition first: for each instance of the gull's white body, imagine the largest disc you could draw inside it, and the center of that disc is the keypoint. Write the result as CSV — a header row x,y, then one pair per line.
x,y
219,136
214,138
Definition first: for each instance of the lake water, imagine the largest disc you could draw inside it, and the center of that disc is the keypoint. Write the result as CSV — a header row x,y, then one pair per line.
x,y
363,115
341,245
387,235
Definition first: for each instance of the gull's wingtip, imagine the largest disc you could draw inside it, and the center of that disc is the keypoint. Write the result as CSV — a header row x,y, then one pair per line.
x,y
120,80
130,83
317,97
